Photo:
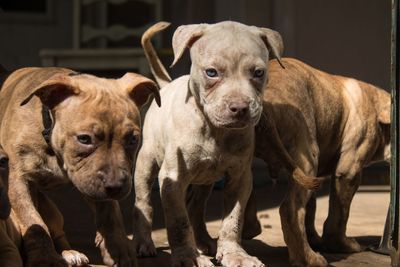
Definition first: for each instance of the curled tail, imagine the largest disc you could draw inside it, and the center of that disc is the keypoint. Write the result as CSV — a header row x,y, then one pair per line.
x,y
277,156
157,68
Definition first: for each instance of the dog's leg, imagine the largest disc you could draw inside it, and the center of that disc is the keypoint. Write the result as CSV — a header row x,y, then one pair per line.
x,y
312,235
197,201
145,174
251,225
236,194
37,242
55,222
116,249
292,211
180,232
334,234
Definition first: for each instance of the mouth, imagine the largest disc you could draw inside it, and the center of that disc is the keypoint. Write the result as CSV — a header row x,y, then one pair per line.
x,y
234,123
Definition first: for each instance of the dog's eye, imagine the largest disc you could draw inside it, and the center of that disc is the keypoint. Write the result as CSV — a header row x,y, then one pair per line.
x,y
84,139
212,73
258,73
131,140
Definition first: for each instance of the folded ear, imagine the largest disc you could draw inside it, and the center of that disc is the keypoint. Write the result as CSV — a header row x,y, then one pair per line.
x,y
139,88
53,91
273,41
184,37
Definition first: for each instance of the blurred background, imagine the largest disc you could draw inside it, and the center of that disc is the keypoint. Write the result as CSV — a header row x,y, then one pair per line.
x,y
349,37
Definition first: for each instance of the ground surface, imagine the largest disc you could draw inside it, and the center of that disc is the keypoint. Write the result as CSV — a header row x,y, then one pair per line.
x,y
366,223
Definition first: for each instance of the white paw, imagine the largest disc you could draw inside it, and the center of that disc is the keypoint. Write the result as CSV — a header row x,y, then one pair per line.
x,y
74,258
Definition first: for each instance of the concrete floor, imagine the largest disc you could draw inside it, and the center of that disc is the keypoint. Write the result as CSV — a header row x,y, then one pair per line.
x,y
366,223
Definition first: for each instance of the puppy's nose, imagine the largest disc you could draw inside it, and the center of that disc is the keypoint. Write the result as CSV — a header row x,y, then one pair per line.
x,y
239,108
3,161
116,187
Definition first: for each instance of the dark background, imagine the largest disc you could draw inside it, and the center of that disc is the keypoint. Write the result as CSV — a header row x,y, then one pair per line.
x,y
348,37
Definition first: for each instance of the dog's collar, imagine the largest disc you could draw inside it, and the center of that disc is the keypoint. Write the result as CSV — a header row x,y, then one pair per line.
x,y
47,124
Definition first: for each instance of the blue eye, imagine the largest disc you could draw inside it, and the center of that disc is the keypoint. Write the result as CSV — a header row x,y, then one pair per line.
x,y
212,73
259,73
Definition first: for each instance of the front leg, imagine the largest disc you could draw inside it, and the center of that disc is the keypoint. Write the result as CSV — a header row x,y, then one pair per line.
x,y
116,249
236,194
196,202
179,230
37,242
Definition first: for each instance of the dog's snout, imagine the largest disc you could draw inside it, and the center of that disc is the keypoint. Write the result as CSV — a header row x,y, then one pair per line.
x,y
239,108
116,186
3,161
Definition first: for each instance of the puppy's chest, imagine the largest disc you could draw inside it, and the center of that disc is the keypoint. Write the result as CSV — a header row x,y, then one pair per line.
x,y
208,162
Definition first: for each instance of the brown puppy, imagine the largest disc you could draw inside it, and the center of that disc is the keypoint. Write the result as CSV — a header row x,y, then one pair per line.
x,y
331,126
58,126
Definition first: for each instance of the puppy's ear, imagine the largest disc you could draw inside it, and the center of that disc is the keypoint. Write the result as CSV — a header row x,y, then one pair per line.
x,y
139,88
273,41
53,91
184,37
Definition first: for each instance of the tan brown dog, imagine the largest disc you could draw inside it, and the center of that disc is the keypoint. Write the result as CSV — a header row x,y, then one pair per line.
x,y
9,241
331,126
204,130
57,127
341,125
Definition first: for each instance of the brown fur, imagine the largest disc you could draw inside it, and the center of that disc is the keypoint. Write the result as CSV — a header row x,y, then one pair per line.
x,y
331,126
83,107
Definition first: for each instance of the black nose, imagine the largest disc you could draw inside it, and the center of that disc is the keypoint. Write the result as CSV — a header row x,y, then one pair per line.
x,y
117,187
3,161
239,108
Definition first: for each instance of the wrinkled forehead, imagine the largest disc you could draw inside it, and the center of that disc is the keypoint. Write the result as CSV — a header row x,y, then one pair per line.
x,y
230,43
108,106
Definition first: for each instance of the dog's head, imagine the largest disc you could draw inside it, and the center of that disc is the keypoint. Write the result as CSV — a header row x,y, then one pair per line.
x,y
4,202
96,128
229,69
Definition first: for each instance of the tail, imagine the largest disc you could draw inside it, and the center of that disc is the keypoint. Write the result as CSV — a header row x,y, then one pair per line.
x,y
157,68
280,152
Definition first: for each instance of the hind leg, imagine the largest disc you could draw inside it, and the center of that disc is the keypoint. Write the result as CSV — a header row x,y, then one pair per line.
x,y
55,222
334,235
312,235
293,211
146,171
196,206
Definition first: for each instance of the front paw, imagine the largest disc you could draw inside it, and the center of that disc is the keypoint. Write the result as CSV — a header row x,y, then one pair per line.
x,y
74,258
116,250
238,259
186,257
